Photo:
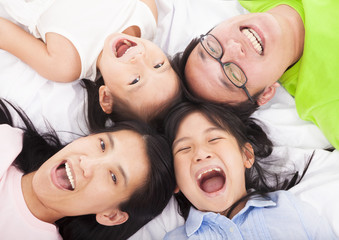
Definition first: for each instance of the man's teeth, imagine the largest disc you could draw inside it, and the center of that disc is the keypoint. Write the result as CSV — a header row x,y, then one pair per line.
x,y
209,170
69,175
254,38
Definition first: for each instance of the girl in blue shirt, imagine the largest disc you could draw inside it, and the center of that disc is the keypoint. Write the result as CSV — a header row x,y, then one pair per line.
x,y
225,187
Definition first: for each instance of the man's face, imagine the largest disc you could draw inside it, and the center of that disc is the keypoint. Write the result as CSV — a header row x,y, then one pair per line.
x,y
256,42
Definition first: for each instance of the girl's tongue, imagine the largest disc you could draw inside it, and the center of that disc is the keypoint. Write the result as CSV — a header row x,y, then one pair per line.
x,y
122,46
212,181
122,49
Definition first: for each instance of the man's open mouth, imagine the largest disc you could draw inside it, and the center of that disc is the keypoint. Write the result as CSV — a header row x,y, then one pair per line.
x,y
255,39
64,176
122,47
211,180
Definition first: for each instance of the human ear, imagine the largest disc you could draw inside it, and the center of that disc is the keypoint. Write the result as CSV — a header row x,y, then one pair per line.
x,y
249,155
112,218
268,94
105,99
176,190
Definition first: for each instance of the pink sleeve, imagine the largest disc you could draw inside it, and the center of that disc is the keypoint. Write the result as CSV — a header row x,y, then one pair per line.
x,y
10,146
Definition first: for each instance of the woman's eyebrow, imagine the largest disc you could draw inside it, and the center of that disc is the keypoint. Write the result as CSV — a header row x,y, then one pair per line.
x,y
123,173
121,170
110,139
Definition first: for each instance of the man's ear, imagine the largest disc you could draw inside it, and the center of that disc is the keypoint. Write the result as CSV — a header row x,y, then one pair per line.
x,y
112,218
268,94
105,99
249,155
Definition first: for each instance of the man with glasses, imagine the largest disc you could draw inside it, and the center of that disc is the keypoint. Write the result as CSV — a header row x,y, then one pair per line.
x,y
242,59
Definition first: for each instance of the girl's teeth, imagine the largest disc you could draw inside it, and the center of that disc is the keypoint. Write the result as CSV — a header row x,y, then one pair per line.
x,y
127,43
69,175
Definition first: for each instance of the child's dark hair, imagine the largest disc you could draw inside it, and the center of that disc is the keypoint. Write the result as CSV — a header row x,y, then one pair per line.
x,y
245,130
144,204
97,118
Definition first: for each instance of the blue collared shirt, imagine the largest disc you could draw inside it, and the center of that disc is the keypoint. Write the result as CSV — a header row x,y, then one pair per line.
x,y
279,216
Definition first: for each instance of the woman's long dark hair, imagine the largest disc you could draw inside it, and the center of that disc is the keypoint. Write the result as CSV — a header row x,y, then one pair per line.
x,y
36,147
144,204
245,130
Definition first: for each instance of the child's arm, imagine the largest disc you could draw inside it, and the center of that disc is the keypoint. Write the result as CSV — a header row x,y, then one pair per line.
x,y
57,60
153,6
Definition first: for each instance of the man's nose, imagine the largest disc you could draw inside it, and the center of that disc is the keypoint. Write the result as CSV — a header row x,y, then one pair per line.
x,y
233,50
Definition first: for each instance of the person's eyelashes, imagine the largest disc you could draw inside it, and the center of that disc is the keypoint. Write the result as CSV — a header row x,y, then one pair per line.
x,y
136,80
114,178
159,65
102,145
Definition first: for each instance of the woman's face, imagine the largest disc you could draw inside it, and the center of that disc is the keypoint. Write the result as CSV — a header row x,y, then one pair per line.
x,y
93,174
137,72
258,43
209,166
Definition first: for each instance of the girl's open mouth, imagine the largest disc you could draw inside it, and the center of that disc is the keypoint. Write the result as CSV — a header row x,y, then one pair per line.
x,y
211,180
64,176
123,46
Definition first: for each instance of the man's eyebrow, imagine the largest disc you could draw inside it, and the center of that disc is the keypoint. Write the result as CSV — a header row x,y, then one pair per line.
x,y
201,53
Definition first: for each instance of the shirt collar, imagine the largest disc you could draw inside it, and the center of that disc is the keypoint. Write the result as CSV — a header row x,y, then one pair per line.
x,y
196,217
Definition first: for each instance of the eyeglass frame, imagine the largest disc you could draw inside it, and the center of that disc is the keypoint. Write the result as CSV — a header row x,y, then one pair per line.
x,y
225,63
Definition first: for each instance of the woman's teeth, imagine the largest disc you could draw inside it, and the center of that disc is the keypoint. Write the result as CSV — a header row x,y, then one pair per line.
x,y
254,38
69,175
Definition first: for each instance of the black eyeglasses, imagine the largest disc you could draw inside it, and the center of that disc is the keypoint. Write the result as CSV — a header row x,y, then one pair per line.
x,y
232,71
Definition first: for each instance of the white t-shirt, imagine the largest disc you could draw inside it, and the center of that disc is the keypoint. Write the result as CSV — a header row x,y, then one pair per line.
x,y
16,221
86,23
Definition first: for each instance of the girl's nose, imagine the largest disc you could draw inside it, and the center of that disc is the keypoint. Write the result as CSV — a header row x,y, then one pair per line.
x,y
137,58
202,154
233,50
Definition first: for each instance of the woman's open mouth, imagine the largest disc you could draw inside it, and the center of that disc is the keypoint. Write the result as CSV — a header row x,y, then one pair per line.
x,y
211,180
64,176
123,46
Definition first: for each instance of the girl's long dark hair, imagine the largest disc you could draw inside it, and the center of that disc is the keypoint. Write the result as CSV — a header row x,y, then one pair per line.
x,y
245,130
144,204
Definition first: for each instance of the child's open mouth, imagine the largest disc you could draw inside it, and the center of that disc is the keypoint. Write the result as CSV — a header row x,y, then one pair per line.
x,y
64,176
123,46
211,180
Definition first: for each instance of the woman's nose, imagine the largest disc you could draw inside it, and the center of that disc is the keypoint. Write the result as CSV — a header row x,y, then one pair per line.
x,y
87,165
233,50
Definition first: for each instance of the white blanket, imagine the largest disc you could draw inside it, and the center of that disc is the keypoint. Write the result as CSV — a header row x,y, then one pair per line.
x,y
63,106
